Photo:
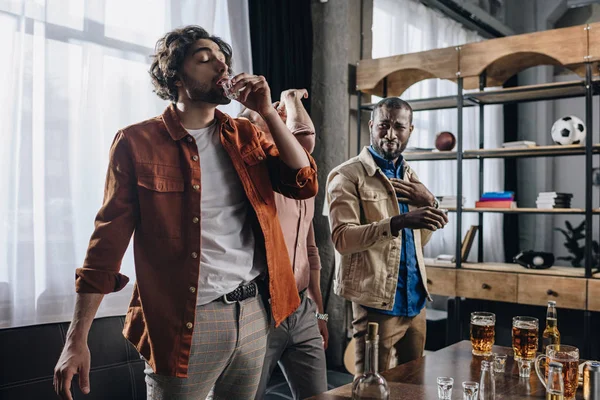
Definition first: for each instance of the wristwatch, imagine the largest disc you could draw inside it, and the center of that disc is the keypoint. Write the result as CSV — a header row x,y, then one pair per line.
x,y
323,317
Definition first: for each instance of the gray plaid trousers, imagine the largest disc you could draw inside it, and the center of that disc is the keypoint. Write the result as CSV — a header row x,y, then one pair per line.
x,y
228,350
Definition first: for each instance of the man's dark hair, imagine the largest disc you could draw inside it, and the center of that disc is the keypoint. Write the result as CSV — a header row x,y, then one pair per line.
x,y
392,102
169,54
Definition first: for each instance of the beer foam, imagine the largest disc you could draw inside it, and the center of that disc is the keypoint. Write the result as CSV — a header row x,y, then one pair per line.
x,y
482,322
525,325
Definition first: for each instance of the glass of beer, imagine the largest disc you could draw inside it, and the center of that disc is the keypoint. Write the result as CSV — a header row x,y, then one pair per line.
x,y
568,356
525,334
483,332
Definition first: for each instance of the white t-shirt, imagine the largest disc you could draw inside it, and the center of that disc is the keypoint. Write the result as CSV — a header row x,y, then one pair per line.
x,y
227,248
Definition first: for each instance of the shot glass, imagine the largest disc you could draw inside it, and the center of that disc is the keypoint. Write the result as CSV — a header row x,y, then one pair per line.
x,y
445,387
525,368
470,390
225,83
500,362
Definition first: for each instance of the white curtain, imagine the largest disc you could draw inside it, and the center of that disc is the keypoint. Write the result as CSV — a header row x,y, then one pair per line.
x,y
73,72
407,26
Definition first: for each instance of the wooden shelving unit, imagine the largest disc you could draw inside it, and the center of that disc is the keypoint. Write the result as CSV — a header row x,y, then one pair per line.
x,y
476,67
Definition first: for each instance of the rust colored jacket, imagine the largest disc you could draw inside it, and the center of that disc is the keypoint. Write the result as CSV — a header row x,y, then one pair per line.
x,y
153,189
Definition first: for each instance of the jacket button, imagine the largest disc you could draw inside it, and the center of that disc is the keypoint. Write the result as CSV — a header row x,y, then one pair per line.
x,y
195,220
196,187
192,289
189,325
189,139
385,233
194,255
195,158
390,276
260,158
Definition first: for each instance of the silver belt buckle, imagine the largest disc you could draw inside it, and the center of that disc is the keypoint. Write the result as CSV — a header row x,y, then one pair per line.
x,y
227,301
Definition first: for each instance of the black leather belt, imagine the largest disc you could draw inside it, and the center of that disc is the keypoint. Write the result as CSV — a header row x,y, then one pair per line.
x,y
241,293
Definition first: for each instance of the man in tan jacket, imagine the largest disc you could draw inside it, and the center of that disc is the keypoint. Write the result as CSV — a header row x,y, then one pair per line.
x,y
381,216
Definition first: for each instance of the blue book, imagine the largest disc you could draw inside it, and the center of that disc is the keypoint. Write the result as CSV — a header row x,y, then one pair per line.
x,y
498,196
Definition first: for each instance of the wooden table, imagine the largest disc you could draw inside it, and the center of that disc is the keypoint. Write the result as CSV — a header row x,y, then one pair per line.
x,y
417,379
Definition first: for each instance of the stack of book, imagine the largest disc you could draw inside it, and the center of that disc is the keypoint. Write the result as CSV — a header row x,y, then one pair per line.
x,y
449,201
554,200
496,200
418,149
519,144
445,258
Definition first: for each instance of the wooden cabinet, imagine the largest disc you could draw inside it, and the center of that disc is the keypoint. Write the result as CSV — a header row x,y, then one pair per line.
x,y
594,294
441,281
486,285
537,290
514,284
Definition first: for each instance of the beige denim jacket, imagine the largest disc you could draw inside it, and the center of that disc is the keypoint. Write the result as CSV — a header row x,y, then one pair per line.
x,y
361,203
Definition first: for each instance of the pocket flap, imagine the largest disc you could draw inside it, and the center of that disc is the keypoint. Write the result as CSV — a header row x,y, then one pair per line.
x,y
254,156
373,195
160,184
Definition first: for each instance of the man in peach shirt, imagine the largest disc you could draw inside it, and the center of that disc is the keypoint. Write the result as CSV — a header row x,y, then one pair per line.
x,y
299,343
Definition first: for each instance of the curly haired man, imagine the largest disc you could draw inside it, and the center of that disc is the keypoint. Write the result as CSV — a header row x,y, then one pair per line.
x,y
196,189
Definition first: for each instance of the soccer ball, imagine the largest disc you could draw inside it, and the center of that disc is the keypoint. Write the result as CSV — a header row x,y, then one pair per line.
x,y
568,130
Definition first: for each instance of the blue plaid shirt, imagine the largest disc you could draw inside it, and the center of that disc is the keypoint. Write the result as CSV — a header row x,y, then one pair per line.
x,y
410,292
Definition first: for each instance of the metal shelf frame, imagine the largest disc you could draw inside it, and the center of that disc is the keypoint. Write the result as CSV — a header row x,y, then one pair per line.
x,y
551,91
501,58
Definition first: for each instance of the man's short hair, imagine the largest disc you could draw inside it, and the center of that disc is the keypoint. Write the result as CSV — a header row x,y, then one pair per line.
x,y
169,54
392,102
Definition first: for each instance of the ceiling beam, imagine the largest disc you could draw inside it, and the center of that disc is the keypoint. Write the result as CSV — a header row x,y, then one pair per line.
x,y
471,16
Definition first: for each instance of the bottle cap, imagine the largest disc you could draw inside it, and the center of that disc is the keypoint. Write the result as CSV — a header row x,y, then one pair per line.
x,y
556,365
551,302
372,330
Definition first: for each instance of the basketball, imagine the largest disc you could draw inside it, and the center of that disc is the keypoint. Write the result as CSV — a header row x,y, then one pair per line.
x,y
445,141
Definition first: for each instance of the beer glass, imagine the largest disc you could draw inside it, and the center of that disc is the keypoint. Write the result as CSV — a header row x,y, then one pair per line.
x,y
568,356
483,333
525,334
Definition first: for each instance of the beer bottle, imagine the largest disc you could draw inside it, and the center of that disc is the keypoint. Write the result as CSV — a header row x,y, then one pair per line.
x,y
370,385
551,334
